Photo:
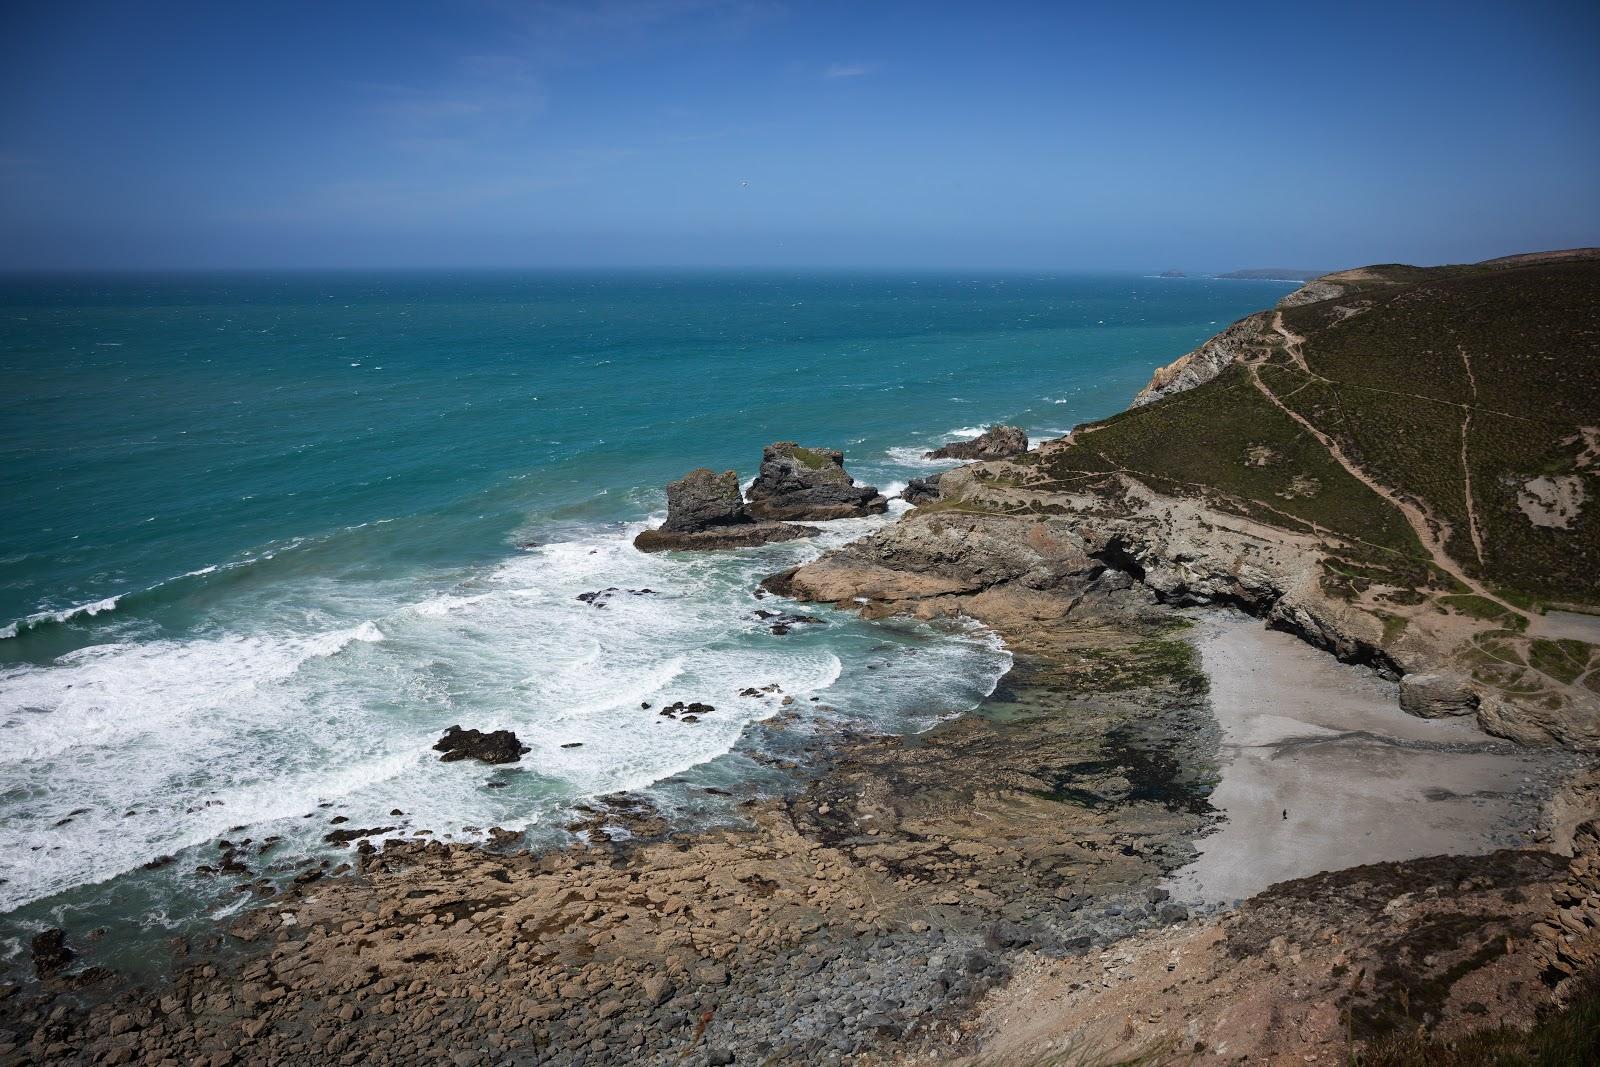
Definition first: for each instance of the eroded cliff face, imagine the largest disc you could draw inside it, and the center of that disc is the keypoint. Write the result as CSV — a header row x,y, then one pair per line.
x,y
1209,360
966,560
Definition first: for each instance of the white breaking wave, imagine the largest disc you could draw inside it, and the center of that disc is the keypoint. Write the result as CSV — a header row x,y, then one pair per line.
x,y
119,753
80,611
105,694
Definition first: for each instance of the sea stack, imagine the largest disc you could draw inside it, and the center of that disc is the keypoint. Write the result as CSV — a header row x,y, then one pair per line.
x,y
706,510
997,442
809,485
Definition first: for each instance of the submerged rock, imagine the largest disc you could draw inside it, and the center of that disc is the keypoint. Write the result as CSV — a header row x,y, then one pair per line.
x,y
997,442
809,484
706,510
498,746
50,952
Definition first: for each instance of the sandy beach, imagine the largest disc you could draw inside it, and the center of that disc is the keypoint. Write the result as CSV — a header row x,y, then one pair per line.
x,y
1321,770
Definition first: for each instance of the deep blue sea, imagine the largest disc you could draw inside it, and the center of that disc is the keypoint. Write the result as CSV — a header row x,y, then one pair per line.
x,y
264,536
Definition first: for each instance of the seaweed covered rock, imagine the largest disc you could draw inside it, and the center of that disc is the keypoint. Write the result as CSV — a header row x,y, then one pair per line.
x,y
997,442
706,510
809,484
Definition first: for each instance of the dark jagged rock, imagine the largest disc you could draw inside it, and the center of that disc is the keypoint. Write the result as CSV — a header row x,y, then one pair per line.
x,y
997,442
498,746
809,484
50,953
781,622
746,536
919,491
702,499
344,837
678,707
598,597
705,510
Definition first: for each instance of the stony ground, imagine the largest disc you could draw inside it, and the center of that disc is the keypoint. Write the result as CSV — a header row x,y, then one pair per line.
x,y
862,915
1299,972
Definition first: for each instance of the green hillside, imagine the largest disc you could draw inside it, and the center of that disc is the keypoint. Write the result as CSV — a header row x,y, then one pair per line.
x,y
1470,392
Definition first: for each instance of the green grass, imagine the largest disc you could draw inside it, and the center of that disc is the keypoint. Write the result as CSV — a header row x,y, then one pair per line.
x,y
1201,443
1532,335
1563,660
811,459
1388,385
1481,607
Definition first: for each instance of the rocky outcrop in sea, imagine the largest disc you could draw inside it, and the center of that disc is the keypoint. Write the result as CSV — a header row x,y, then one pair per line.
x,y
707,510
494,746
809,485
997,442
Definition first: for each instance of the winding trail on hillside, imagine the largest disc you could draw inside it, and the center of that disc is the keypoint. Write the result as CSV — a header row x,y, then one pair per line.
x,y
1466,468
1431,532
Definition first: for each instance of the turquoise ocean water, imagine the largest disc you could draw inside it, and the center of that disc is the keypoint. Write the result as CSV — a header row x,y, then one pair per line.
x,y
264,536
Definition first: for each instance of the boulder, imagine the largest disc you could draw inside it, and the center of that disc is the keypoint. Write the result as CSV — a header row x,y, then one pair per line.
x,y
1437,695
706,510
997,442
919,491
809,484
497,746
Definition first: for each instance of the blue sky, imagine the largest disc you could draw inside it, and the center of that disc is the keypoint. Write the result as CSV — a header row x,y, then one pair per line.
x,y
766,133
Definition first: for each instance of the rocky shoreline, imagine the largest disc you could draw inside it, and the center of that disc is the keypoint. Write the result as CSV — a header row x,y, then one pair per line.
x,y
878,909
863,913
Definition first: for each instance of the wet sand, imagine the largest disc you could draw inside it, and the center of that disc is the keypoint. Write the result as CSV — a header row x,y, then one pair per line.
x,y
1321,770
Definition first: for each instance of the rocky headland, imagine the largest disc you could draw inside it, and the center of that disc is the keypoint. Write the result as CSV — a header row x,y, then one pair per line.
x,y
1008,887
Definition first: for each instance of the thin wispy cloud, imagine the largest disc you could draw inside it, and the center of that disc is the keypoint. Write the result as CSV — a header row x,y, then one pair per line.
x,y
847,70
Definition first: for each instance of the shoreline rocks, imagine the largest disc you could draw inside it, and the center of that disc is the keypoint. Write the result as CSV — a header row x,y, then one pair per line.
x,y
706,510
809,485
997,442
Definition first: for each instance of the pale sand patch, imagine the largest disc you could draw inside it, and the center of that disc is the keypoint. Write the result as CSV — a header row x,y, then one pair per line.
x,y
1552,500
1361,781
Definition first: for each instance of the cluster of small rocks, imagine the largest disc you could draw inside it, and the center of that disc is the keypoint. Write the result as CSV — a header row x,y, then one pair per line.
x,y
685,711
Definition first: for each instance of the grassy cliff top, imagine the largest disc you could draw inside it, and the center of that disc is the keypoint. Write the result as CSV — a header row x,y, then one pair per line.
x,y
1443,423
